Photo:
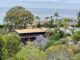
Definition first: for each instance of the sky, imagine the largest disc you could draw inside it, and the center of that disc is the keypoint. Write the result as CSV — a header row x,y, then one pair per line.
x,y
5,5
65,4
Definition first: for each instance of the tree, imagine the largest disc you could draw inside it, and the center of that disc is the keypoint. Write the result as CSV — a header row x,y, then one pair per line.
x,y
45,24
78,17
39,25
51,17
18,17
76,56
29,52
56,15
50,24
46,17
37,17
65,25
53,37
12,42
76,36
1,26
2,49
57,53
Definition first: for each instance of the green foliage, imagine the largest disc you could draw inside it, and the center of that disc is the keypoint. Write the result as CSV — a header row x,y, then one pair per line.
x,y
54,37
57,53
39,25
9,45
45,25
78,17
63,40
29,52
37,17
55,14
49,24
60,41
56,49
61,34
76,49
76,36
12,44
75,52
46,17
1,26
76,57
3,31
18,17
78,25
64,22
2,49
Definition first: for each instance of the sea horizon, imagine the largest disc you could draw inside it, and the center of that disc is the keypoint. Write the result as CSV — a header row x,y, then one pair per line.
x,y
44,12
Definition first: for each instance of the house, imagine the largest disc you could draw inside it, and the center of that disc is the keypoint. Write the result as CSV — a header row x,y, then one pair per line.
x,y
73,22
40,21
30,34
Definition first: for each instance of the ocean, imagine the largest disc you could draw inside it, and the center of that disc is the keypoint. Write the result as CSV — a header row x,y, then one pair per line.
x,y
47,12
44,12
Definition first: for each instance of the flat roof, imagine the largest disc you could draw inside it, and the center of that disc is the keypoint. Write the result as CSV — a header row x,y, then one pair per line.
x,y
34,30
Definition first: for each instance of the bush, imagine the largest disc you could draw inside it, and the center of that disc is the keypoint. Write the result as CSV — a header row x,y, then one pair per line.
x,y
76,57
78,25
30,53
63,40
76,37
57,53
3,52
75,49
12,44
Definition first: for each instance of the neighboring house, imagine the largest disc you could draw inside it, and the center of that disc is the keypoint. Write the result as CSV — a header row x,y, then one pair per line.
x,y
30,34
73,22
43,21
70,22
40,21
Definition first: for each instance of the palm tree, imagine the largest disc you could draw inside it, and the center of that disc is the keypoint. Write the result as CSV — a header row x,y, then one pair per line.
x,y
78,17
56,15
51,17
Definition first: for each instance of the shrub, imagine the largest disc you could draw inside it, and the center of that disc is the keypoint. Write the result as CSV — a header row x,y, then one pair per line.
x,y
75,49
29,52
76,36
3,52
12,44
76,57
63,40
57,53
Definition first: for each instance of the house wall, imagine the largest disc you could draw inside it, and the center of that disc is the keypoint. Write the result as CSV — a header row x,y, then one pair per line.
x,y
30,36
